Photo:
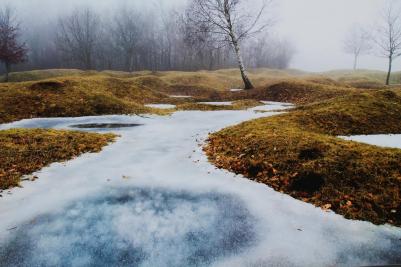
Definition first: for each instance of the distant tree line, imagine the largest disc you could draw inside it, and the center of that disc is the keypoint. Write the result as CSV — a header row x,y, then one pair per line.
x,y
134,40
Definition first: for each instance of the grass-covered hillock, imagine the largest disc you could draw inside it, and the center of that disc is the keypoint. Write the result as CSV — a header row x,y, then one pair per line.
x,y
300,91
74,96
26,151
298,153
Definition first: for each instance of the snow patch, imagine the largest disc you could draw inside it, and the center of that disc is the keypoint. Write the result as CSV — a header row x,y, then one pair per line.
x,y
180,96
383,140
161,106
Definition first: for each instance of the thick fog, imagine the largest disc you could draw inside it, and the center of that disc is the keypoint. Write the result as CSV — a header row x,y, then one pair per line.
x,y
319,27
315,28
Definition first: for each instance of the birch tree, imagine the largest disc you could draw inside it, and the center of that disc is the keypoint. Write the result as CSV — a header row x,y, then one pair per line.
x,y
229,21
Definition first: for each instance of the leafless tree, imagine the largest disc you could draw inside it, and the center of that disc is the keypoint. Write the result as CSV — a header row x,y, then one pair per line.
x,y
357,43
11,50
78,35
157,38
268,51
388,36
127,33
229,21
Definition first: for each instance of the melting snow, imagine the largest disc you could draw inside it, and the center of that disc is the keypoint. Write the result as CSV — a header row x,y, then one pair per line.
x,y
161,106
384,140
152,199
180,96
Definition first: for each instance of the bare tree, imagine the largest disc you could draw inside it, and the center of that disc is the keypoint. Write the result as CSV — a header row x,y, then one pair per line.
x,y
266,51
228,20
357,43
11,50
78,35
388,37
158,38
127,34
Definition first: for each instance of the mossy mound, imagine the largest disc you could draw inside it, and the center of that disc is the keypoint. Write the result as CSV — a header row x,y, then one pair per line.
x,y
26,151
73,97
298,153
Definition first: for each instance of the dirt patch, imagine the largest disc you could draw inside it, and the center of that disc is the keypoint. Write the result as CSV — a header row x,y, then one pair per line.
x,y
47,85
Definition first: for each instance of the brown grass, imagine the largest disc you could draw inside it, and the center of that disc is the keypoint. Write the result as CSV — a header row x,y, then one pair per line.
x,y
26,151
297,153
72,97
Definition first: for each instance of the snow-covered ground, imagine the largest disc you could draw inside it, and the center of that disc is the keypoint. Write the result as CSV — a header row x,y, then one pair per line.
x,y
152,199
180,96
384,140
161,106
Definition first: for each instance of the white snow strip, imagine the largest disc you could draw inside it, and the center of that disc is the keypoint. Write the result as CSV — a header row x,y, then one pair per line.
x,y
153,199
160,106
383,140
269,106
236,90
180,96
227,103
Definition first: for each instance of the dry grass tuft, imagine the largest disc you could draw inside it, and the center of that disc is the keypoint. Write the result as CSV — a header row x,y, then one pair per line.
x,y
26,151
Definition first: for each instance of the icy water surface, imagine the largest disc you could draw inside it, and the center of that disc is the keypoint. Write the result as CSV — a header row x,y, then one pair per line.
x,y
152,199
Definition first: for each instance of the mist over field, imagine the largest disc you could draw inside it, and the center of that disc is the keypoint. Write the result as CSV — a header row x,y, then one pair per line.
x,y
316,29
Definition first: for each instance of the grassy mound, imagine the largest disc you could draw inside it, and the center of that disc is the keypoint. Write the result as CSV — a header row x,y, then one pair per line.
x,y
298,153
36,75
60,93
26,151
377,112
74,96
299,91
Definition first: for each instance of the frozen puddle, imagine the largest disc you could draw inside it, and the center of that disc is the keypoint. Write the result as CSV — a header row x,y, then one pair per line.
x,y
104,125
161,106
152,199
384,140
130,227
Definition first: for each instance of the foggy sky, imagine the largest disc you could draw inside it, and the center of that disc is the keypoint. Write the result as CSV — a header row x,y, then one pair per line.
x,y
317,28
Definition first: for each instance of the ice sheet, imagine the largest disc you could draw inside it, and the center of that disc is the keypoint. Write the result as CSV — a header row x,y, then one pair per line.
x,y
152,199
